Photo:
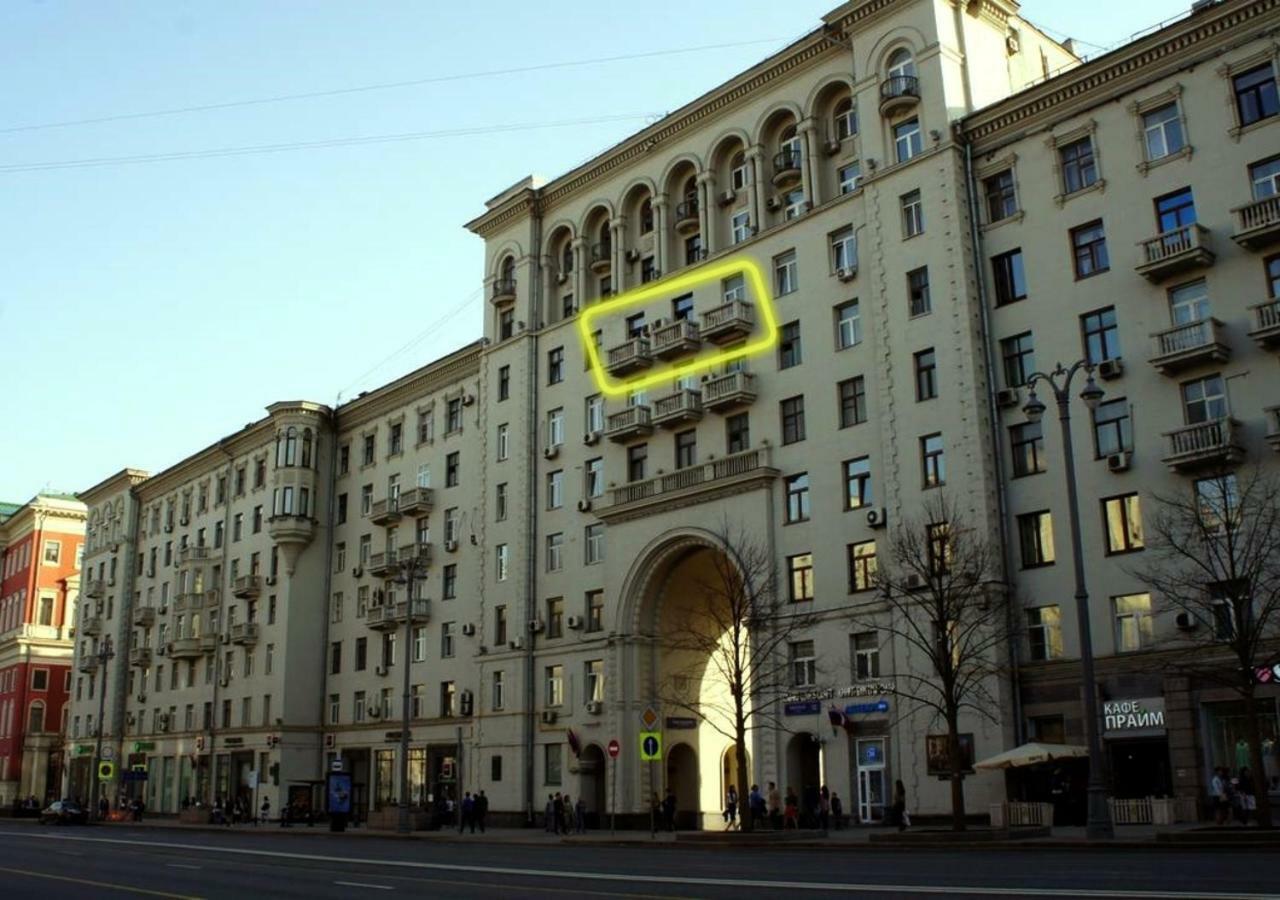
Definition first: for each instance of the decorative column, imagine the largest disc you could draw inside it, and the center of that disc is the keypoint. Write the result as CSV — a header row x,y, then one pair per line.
x,y
706,205
580,264
618,232
811,141
755,156
660,233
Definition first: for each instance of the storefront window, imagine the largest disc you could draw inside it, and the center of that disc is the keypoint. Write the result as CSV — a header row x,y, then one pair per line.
x,y
1227,745
384,783
418,776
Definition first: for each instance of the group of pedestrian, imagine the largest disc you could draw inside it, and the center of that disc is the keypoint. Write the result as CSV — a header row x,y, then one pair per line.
x,y
1233,796
563,816
770,808
475,808
662,811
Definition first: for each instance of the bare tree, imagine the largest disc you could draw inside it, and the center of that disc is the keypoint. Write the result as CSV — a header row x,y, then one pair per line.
x,y
1214,557
939,592
737,632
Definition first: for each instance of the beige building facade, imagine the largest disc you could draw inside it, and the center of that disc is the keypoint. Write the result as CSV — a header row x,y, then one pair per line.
x,y
553,521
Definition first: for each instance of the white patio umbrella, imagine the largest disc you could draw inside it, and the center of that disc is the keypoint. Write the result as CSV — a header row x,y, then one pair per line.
x,y
1031,754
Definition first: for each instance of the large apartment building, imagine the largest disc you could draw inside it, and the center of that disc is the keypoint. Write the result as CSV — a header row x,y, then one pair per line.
x,y
932,193
40,548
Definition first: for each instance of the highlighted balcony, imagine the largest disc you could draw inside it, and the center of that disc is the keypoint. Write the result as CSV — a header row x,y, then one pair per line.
x,y
1212,444
629,357
675,339
677,409
416,501
786,169
1186,346
633,422
702,483
139,657
723,393
92,626
601,257
390,616
899,94
503,292
385,511
244,633
188,602
729,322
247,587
687,221
1266,324
1258,223
1174,252
192,555
419,553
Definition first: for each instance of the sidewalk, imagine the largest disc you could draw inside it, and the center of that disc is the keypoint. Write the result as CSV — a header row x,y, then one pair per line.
x,y
1127,837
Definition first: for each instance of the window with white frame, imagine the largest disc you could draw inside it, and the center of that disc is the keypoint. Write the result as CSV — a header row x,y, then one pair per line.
x,y
1162,131
912,214
785,276
844,250
555,428
907,142
595,413
866,655
555,489
734,289
554,681
501,557
738,172
740,227
1264,178
504,441
804,664
594,472
1133,626
850,177
555,551
848,325
594,543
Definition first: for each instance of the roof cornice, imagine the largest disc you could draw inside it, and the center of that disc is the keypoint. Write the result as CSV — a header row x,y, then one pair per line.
x,y
123,480
462,363
1100,80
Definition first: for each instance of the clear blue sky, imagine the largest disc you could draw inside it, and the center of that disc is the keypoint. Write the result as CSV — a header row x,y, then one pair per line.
x,y
148,309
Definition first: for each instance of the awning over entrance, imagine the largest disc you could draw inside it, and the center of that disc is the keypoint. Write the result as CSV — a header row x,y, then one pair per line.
x,y
1030,755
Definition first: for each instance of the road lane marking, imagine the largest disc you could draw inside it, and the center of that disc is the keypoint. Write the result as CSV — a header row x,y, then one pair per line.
x,y
380,887
98,884
181,866
686,881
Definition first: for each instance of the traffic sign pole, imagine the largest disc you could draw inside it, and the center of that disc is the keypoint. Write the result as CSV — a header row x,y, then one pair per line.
x,y
614,749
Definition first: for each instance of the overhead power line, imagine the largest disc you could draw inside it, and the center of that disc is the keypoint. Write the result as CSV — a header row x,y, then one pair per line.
x,y
379,86
216,152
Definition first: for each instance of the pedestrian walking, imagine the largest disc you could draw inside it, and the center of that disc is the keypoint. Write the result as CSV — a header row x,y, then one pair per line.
x,y
557,813
791,812
580,816
481,809
104,808
669,810
731,808
1218,795
774,800
900,815
468,814
549,815
824,808
1246,800
266,810
837,810
755,804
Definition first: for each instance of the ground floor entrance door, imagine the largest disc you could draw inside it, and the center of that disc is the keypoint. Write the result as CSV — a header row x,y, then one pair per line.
x,y
871,779
1140,767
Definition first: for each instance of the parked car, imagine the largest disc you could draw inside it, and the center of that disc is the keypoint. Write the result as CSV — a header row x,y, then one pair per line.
x,y
63,812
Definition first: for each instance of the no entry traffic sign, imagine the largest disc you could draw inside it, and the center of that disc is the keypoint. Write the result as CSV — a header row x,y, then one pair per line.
x,y
614,748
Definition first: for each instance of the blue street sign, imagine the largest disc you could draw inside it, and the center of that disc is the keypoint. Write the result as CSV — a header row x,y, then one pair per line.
x,y
802,708
855,709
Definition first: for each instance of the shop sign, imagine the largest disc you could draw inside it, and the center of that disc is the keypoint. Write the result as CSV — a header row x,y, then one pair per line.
x,y
1133,718
232,742
143,746
1267,674
802,708
861,709
681,723
864,689
84,749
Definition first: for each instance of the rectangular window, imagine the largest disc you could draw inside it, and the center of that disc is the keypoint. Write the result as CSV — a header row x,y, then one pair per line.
x,y
1101,335
503,442
844,251
1044,632
448,694
804,664
740,227
554,680
862,566
1079,169
797,494
1133,627
1264,178
800,577
1089,248
453,416
857,483
555,617
504,383
1217,503
932,461
853,401
500,562
637,460
1010,280
1035,538
686,449
907,141
449,582
500,502
1255,92
555,365
1189,303
500,625
926,375
555,428
594,544
595,611
555,489
594,471
912,214
866,656
848,325
785,276
792,420
789,353
920,302
452,463
498,697
555,551
1019,357
593,680
446,640
1026,441
369,450
1162,132
1002,199
850,177
1122,521
1174,212
1204,400
1112,432
737,430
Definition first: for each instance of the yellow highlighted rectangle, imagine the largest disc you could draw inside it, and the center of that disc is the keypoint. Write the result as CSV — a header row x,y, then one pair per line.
x,y
753,277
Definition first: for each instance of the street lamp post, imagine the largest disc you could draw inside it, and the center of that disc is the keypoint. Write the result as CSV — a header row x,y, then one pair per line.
x,y
410,574
1059,380
104,656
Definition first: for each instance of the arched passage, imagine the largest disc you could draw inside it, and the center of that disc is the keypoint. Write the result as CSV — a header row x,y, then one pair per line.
x,y
683,778
803,773
592,785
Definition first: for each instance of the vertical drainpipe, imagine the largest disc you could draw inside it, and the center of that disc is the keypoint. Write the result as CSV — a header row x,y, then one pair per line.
x,y
330,519
988,355
531,515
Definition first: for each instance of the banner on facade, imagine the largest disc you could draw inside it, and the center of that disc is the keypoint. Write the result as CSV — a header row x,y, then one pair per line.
x,y
1138,717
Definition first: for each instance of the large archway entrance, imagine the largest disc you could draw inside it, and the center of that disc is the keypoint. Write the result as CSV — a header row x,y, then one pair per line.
x,y
591,785
683,780
804,774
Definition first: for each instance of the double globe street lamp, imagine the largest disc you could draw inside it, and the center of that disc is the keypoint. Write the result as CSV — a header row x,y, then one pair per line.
x,y
104,655
1098,825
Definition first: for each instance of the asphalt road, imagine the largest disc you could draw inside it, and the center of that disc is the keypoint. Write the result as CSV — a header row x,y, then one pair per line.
x,y
131,862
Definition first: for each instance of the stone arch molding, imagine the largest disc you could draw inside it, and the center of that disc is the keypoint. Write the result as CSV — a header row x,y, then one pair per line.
x,y
651,565
508,248
903,37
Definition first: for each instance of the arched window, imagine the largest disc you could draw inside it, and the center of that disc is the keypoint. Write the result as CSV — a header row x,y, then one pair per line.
x,y
566,257
291,446
35,718
508,270
605,238
846,120
901,64
738,171
789,142
646,216
306,449
279,451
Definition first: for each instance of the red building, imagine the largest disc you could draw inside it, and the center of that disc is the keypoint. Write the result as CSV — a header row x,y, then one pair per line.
x,y
40,548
